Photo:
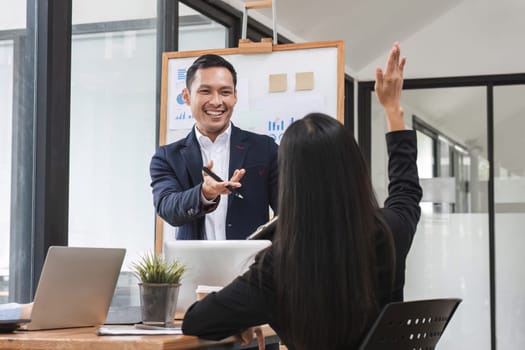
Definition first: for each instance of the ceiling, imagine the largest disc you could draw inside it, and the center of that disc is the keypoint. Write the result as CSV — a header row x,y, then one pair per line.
x,y
439,38
446,38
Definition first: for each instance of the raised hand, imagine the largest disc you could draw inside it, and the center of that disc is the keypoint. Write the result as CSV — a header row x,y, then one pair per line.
x,y
388,86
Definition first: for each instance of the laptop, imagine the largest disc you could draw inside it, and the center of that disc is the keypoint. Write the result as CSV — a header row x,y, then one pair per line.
x,y
210,263
75,288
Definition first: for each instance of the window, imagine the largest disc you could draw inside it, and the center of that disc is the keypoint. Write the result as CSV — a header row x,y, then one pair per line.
x,y
113,122
12,29
112,130
444,170
198,32
6,118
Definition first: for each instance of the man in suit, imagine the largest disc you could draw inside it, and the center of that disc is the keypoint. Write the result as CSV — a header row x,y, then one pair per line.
x,y
186,197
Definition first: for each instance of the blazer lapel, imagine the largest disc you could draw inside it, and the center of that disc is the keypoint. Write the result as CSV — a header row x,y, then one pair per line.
x,y
238,150
193,158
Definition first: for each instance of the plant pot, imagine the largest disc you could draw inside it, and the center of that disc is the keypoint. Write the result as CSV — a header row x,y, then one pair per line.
x,y
158,302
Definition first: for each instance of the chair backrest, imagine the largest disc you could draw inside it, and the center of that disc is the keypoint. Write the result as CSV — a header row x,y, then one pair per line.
x,y
412,325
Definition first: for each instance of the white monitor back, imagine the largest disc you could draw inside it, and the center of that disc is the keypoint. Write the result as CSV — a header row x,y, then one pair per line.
x,y
212,263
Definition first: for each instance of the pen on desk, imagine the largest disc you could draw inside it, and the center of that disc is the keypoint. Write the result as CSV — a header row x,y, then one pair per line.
x,y
214,176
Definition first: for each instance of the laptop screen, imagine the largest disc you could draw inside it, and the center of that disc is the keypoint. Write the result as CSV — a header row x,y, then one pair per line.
x,y
211,263
76,287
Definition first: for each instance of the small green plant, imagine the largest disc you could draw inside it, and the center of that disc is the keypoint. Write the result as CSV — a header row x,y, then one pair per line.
x,y
154,268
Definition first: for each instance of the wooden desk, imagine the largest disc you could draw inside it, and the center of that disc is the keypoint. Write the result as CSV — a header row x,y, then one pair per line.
x,y
87,338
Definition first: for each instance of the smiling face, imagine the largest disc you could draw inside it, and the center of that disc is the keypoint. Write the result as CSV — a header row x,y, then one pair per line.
x,y
211,98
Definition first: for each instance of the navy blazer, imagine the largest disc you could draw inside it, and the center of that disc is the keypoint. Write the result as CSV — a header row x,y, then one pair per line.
x,y
176,180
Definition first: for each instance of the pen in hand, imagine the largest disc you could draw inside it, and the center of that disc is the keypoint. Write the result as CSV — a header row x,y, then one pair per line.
x,y
214,176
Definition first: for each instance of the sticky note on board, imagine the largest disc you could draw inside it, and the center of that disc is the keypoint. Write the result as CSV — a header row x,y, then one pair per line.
x,y
304,81
277,83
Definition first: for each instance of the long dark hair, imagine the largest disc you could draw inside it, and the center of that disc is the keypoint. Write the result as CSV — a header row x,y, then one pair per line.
x,y
324,255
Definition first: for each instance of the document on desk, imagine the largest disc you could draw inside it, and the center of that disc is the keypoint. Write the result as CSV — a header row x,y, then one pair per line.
x,y
133,330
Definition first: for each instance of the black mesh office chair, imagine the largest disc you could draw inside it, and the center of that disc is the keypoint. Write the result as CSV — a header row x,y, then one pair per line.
x,y
412,325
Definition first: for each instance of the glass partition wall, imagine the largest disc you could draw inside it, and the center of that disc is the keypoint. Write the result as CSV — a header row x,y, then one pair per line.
x,y
469,241
509,203
450,252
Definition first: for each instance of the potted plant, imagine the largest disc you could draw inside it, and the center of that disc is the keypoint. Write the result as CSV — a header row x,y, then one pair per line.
x,y
159,287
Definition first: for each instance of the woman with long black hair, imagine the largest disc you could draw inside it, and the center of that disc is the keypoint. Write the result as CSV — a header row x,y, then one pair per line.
x,y
337,258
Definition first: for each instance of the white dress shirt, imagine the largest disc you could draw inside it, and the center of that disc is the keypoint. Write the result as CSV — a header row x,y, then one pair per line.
x,y
219,152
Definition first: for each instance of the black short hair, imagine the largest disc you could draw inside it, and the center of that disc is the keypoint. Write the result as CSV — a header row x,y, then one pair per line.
x,y
209,61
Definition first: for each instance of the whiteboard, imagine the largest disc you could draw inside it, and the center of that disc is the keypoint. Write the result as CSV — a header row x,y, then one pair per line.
x,y
259,107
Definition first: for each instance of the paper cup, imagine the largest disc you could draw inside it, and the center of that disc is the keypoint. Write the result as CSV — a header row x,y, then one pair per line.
x,y
202,291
